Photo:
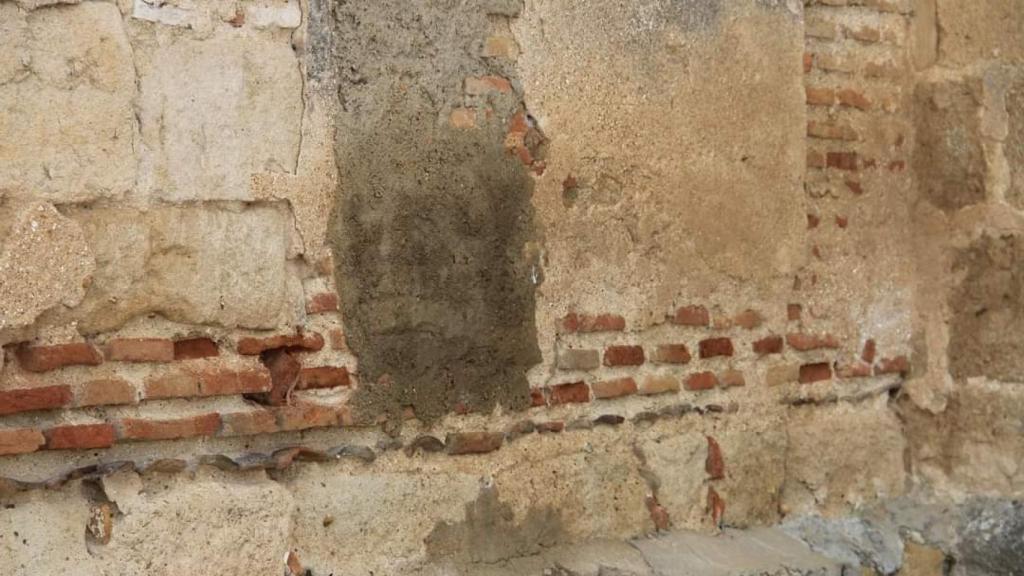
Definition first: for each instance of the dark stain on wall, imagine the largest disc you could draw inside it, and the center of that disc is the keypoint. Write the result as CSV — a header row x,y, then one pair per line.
x,y
431,223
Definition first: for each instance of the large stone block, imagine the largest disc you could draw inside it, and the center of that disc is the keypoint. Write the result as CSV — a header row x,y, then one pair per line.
x,y
44,262
67,86
987,306
982,30
199,264
842,457
215,112
676,147
949,160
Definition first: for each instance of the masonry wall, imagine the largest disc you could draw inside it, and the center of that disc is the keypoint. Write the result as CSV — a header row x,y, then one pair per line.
x,y
387,288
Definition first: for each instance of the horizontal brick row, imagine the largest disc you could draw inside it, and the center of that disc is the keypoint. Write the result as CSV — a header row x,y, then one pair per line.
x,y
106,434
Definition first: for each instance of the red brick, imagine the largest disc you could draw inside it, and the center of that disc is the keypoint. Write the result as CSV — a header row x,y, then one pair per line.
x,y
842,221
323,377
672,354
304,416
731,378
301,341
473,442
714,464
140,350
248,423
80,437
587,324
323,302
658,384
691,316
713,347
46,358
614,388
808,62
575,359
701,381
869,352
806,342
574,392
194,348
815,372
853,99
768,345
820,96
856,369
841,160
898,365
793,312
227,382
106,392
478,85
748,319
173,385
659,515
20,441
537,398
624,356
716,506
29,399
854,187
338,340
140,429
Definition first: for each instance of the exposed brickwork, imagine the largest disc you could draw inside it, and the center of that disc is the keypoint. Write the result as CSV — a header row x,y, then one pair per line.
x,y
169,429
672,354
46,358
574,392
614,388
701,381
29,399
194,348
79,437
713,347
20,441
311,341
106,392
624,356
584,323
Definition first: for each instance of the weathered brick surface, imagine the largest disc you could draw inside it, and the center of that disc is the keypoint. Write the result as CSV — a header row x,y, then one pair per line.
x,y
106,392
658,384
29,399
623,356
713,347
473,442
169,429
585,323
46,358
714,464
672,354
303,341
817,372
321,303
701,381
614,388
20,441
323,377
194,348
576,359
248,423
574,392
807,342
768,345
306,415
79,437
691,316
140,350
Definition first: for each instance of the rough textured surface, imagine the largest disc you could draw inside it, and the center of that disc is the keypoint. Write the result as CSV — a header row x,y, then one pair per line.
x,y
432,221
66,121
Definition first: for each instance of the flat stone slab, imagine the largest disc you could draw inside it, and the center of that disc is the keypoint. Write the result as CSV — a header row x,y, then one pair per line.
x,y
760,552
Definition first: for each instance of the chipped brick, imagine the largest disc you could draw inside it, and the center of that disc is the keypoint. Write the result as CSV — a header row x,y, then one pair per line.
x,y
310,341
20,441
731,378
322,302
897,365
614,388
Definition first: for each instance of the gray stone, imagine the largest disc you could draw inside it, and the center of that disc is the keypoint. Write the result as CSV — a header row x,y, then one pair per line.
x,y
992,540
761,552
853,541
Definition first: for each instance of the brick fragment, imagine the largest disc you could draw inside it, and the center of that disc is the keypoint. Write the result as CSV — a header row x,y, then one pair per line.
x,y
142,429
322,302
853,99
459,443
658,384
338,340
174,385
194,348
714,464
574,392
323,377
855,369
537,398
768,345
691,316
614,388
715,506
585,323
577,359
140,350
46,358
842,160
659,515
310,341
80,437
701,381
227,382
30,399
248,423
106,392
810,373
480,85
748,319
624,356
712,347
731,378
672,354
820,96
306,415
793,312
806,342
20,441
548,427
869,352
897,365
